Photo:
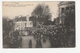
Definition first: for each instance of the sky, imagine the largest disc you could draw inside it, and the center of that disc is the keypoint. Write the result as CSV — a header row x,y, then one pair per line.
x,y
12,9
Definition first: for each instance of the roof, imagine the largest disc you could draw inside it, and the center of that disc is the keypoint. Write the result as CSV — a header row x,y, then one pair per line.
x,y
66,2
21,18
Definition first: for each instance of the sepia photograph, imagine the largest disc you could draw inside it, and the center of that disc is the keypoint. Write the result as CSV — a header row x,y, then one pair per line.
x,y
38,24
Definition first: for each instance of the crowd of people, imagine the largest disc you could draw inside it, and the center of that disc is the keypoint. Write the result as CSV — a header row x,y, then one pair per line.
x,y
12,39
59,36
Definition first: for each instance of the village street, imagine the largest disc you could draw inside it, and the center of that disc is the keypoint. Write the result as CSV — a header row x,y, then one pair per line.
x,y
26,39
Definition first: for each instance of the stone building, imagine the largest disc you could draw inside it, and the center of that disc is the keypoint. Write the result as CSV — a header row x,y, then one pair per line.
x,y
22,23
66,14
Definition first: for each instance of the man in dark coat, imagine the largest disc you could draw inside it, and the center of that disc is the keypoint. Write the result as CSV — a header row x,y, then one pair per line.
x,y
30,44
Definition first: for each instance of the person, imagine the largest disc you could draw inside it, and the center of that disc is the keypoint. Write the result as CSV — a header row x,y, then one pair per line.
x,y
30,44
20,42
40,44
44,40
37,44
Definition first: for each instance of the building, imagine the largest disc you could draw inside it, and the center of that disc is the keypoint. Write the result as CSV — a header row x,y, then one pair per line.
x,y
66,13
22,23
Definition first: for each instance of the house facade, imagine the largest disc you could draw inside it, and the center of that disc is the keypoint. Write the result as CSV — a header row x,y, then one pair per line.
x,y
22,23
66,13
65,7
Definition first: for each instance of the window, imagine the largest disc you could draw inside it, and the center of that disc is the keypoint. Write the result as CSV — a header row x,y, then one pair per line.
x,y
25,24
67,8
62,10
72,7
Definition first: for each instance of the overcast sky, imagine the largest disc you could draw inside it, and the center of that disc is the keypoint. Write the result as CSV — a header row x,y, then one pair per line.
x,y
25,8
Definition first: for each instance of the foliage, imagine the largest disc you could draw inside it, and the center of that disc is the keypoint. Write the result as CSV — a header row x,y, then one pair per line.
x,y
7,27
42,13
7,24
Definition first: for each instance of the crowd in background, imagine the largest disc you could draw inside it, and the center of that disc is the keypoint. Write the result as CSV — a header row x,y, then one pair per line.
x,y
59,36
12,39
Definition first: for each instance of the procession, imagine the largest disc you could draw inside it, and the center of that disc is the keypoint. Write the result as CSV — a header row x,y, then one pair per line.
x,y
40,25
58,37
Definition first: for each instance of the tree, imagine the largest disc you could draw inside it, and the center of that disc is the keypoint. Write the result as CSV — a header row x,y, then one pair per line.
x,y
42,13
32,18
7,27
7,24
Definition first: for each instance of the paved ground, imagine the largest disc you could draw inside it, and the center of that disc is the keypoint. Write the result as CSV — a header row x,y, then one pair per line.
x,y
26,39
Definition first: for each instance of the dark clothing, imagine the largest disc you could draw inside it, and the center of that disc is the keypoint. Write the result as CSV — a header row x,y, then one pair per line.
x,y
38,44
30,44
